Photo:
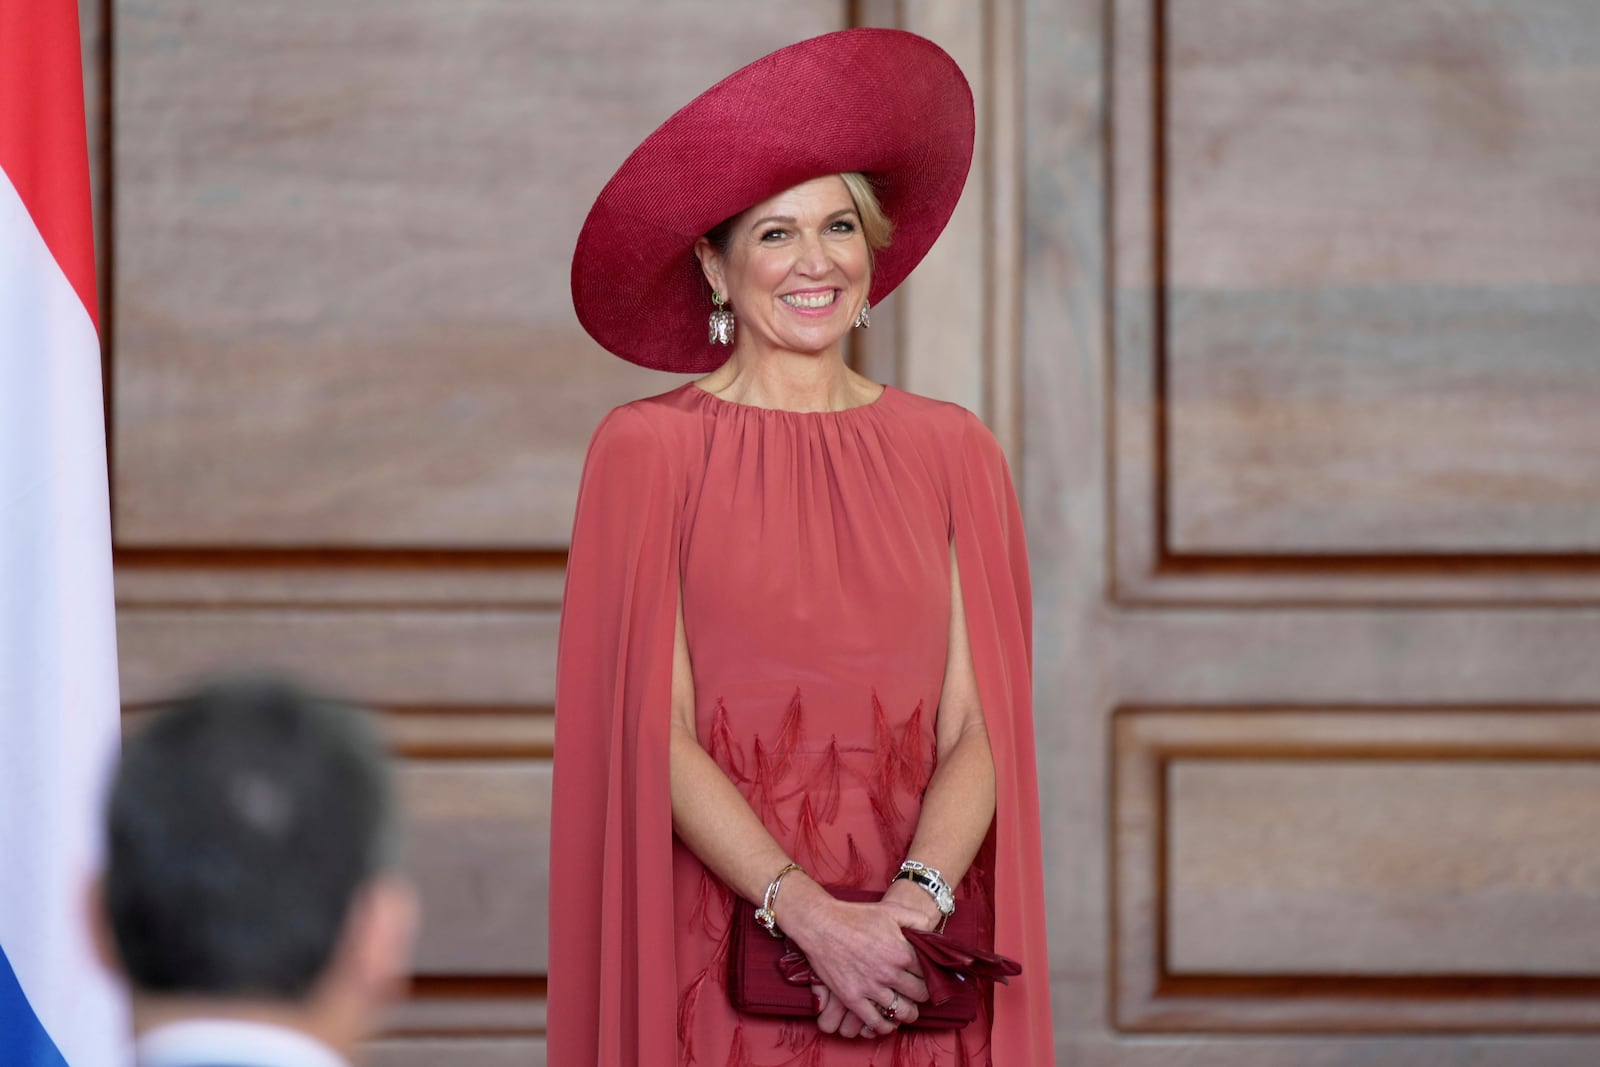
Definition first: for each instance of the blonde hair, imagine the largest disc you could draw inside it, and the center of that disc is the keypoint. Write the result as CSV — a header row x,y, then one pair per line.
x,y
876,227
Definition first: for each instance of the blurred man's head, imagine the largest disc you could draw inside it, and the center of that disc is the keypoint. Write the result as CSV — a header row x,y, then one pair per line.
x,y
250,868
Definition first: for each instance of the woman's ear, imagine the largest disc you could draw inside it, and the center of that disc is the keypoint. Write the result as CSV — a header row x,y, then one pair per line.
x,y
710,265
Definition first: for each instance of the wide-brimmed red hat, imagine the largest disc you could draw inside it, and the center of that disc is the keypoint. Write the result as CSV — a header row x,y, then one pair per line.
x,y
887,103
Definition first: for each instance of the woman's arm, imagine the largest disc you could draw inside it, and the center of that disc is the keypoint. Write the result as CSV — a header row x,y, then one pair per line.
x,y
958,805
856,949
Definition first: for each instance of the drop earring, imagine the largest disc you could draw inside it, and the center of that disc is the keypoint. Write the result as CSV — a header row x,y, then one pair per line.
x,y
721,322
863,320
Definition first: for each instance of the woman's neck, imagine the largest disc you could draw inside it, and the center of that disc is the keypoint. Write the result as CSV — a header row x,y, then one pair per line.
x,y
790,381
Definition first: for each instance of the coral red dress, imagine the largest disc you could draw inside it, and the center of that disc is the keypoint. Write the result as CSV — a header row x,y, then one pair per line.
x,y
812,555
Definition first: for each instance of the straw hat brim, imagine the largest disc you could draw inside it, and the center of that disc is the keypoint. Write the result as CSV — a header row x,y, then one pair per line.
x,y
890,104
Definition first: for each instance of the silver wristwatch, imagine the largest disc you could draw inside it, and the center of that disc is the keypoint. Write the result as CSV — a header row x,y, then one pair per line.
x,y
931,880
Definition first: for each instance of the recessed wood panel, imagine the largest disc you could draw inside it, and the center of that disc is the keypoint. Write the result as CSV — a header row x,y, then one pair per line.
x,y
257,579
457,1052
1392,867
1434,421
399,658
342,242
1334,143
1353,291
1372,869
478,846
1380,276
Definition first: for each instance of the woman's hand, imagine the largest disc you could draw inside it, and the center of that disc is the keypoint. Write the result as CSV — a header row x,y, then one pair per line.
x,y
858,953
911,907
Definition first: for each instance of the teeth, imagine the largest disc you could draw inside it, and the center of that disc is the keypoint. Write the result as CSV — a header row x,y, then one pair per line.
x,y
810,300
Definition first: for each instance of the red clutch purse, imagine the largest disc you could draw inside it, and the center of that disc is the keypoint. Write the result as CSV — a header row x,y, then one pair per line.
x,y
770,976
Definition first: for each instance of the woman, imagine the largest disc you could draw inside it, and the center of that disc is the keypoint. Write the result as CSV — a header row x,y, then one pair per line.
x,y
795,638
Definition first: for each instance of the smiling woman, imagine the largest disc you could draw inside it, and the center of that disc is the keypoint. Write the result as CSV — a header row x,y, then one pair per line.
x,y
794,269
795,638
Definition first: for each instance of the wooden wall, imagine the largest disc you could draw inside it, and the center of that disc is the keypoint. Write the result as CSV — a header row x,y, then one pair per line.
x,y
349,398
1309,344
1285,311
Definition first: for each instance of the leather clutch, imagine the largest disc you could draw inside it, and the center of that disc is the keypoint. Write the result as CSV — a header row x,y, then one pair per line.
x,y
770,976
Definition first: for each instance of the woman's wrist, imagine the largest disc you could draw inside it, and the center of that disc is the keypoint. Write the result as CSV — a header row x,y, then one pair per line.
x,y
803,908
766,914
907,897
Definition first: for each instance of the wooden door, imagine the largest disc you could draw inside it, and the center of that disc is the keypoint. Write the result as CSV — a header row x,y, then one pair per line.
x,y
1311,353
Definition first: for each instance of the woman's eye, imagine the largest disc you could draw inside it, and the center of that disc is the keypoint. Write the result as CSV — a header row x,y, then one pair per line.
x,y
844,226
771,235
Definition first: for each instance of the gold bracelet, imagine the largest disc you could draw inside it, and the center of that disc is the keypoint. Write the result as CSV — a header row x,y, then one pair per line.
x,y
764,914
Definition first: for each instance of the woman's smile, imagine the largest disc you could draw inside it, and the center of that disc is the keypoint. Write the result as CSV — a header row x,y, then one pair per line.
x,y
811,299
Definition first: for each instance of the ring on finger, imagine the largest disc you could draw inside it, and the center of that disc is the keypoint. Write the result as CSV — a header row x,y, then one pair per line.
x,y
892,1012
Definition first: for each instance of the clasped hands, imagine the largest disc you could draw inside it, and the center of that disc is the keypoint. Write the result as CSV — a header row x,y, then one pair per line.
x,y
870,984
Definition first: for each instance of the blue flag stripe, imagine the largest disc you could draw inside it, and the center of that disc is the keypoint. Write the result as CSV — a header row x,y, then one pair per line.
x,y
23,1041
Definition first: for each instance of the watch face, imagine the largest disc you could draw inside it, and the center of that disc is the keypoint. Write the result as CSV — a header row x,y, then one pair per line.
x,y
946,900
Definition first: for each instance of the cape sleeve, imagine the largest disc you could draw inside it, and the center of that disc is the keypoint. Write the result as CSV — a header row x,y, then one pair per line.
x,y
993,556
612,984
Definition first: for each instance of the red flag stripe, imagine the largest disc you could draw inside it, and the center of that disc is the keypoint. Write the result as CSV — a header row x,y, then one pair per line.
x,y
43,145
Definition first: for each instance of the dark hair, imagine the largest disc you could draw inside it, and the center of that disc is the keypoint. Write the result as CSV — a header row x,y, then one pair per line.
x,y
242,822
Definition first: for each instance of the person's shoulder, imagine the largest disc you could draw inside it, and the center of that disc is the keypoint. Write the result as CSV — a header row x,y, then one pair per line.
x,y
950,424
647,425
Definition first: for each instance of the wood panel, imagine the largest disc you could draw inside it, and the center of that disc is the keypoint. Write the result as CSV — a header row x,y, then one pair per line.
x,y
1362,869
468,1052
1313,397
1381,644
342,240
468,658
255,578
1339,303
1382,867
479,848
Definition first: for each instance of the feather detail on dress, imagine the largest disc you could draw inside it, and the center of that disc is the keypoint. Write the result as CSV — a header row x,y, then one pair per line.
x,y
913,771
798,1035
700,915
894,840
918,1048
724,750
713,974
810,1054
738,1055
687,1003
814,845
885,766
790,734
856,872
822,784
712,902
763,783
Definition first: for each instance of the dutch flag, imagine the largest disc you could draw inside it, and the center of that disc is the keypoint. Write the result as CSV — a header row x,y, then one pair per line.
x,y
58,666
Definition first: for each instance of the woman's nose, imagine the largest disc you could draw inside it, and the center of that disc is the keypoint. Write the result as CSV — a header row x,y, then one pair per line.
x,y
813,258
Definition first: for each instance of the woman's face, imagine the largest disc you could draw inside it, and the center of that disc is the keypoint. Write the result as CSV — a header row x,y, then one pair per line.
x,y
797,269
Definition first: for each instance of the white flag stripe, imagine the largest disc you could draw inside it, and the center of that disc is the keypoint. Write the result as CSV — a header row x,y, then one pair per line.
x,y
58,677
